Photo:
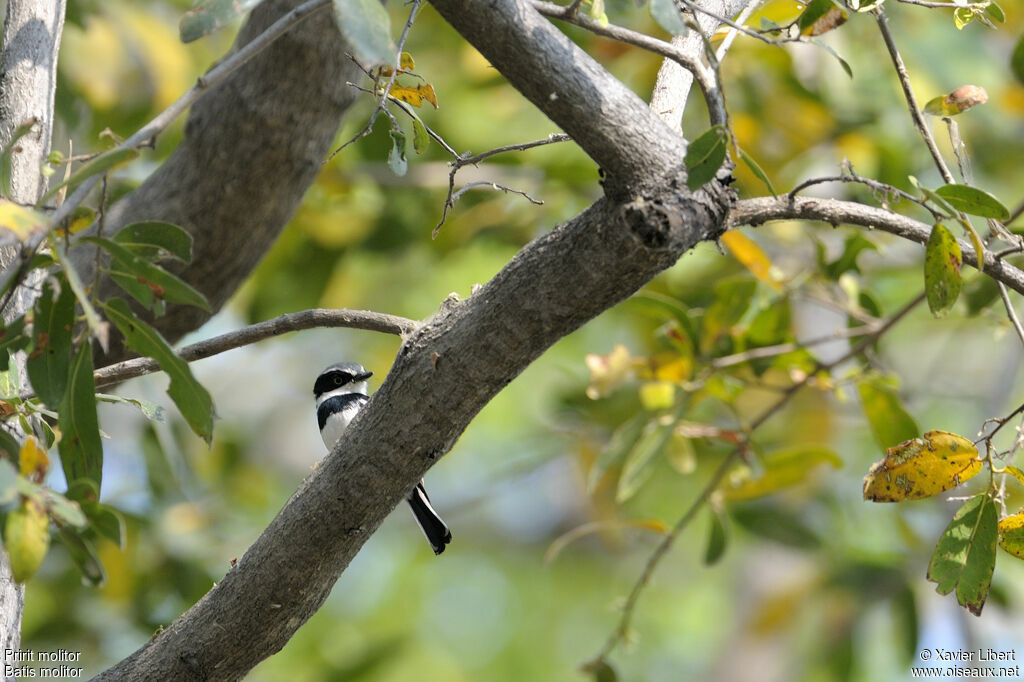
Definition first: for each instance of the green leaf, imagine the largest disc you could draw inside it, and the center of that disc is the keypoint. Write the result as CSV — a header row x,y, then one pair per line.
x,y
716,539
636,469
965,557
192,399
12,339
367,29
601,670
149,410
50,359
705,156
8,150
396,157
973,201
732,298
81,451
831,50
774,523
665,13
148,239
84,555
102,163
107,521
99,329
815,10
420,137
758,171
27,539
996,13
8,482
1017,60
855,244
210,16
65,511
145,281
622,441
942,279
962,16
890,423
781,469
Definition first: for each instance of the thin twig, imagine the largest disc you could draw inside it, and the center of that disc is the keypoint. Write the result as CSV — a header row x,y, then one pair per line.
x,y
868,182
908,92
735,25
783,348
465,159
730,36
290,322
1010,312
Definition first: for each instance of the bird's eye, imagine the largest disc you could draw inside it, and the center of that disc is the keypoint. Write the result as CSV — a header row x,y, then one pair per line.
x,y
338,381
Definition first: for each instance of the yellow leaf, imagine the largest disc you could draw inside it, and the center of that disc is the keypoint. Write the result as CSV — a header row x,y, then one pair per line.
x,y
672,367
415,95
782,469
406,63
750,255
608,372
922,467
657,395
33,461
20,220
27,538
1011,534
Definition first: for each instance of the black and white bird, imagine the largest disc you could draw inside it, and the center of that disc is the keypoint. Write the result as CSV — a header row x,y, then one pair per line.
x,y
340,393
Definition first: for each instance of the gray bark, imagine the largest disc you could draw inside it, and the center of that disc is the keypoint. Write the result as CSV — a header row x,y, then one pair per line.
x,y
28,81
452,366
252,147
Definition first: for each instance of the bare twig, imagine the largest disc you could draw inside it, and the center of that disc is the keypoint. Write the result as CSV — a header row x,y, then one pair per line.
x,y
730,36
868,182
462,160
290,322
908,92
735,25
1010,312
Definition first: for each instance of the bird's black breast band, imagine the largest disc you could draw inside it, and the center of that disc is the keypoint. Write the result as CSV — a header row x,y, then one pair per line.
x,y
338,403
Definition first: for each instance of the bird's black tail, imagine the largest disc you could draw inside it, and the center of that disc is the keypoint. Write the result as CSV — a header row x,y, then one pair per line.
x,y
430,523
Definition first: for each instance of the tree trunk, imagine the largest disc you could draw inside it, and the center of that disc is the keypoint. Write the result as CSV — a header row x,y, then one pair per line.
x,y
28,81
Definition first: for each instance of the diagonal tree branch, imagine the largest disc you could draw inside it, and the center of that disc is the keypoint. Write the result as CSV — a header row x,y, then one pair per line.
x,y
449,368
253,145
606,119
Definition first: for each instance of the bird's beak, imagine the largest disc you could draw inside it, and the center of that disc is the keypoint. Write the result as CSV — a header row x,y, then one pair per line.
x,y
363,377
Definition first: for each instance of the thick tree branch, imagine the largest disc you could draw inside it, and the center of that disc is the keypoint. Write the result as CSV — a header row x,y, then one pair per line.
x,y
609,122
456,362
252,147
283,324
835,212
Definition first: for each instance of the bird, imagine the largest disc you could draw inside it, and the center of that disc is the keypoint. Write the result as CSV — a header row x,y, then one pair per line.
x,y
340,393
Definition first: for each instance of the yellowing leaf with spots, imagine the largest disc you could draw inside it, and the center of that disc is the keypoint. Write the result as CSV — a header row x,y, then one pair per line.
x,y
922,467
415,95
1011,534
753,258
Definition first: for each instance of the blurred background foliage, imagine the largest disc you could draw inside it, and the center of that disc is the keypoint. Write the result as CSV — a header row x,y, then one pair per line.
x,y
813,584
